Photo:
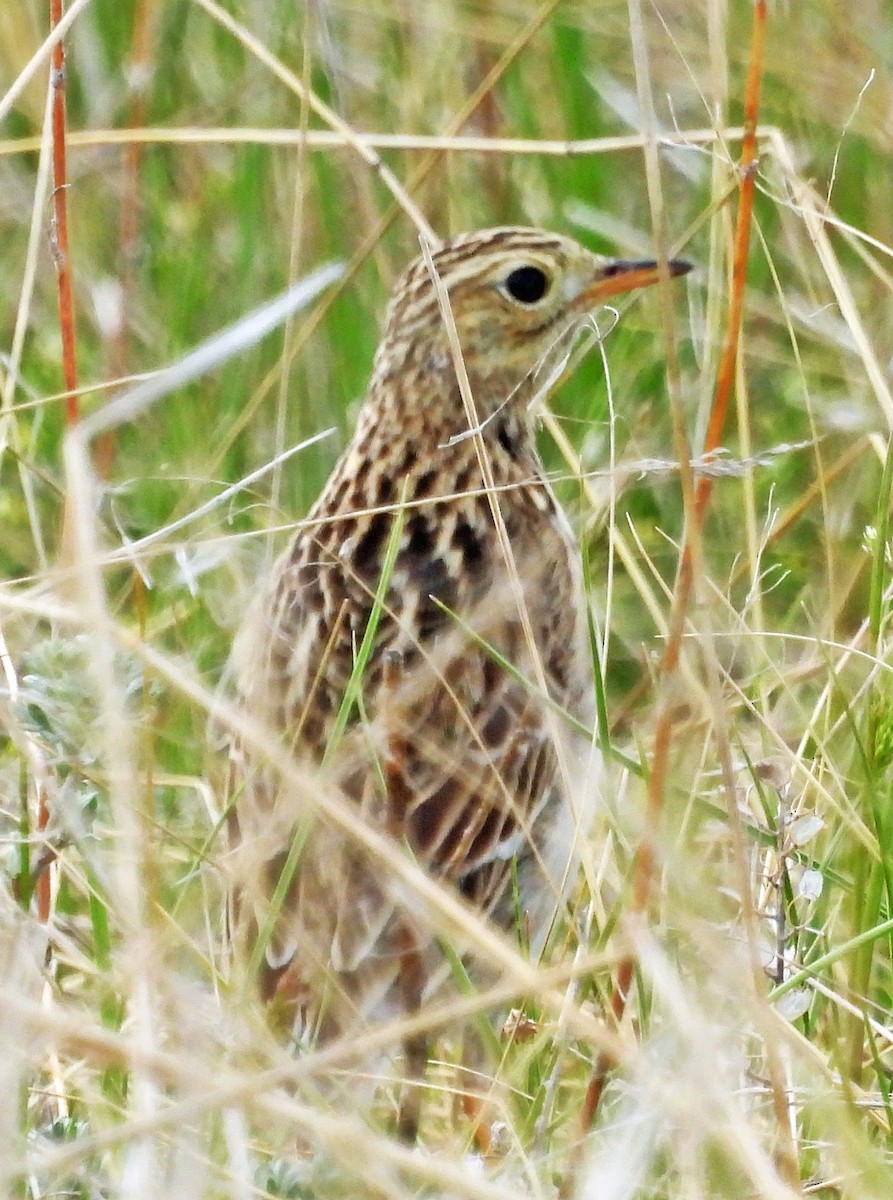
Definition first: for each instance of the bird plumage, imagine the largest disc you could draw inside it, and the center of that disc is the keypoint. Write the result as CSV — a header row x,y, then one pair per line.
x,y
464,742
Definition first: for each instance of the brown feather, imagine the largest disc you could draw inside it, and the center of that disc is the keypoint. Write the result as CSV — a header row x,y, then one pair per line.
x,y
457,757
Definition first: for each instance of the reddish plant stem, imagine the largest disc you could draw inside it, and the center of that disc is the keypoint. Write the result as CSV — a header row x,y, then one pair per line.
x,y
59,246
43,883
62,261
644,861
725,375
59,234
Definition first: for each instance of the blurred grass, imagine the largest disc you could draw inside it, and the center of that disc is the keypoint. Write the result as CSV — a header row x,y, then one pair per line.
x,y
802,634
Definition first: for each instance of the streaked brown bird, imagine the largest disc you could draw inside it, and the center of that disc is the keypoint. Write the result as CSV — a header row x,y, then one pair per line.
x,y
438,580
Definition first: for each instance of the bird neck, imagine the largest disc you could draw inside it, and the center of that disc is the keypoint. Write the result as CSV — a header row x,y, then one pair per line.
x,y
426,403
412,443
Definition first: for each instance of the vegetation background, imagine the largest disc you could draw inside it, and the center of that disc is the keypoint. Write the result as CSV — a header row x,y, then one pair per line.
x,y
128,1064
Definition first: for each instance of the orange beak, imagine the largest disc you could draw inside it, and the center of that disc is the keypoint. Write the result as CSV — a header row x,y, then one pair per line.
x,y
625,275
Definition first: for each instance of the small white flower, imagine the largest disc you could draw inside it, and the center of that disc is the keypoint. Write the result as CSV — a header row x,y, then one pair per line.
x,y
811,884
804,828
794,1004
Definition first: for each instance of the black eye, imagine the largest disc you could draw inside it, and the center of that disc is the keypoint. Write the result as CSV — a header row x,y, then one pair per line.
x,y
527,284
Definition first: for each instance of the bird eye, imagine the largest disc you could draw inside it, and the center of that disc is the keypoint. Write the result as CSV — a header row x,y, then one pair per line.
x,y
527,284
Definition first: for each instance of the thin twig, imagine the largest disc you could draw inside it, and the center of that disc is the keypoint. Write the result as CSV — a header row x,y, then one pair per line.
x,y
419,143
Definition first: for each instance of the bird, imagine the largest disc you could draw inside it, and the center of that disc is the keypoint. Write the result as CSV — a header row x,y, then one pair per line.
x,y
421,647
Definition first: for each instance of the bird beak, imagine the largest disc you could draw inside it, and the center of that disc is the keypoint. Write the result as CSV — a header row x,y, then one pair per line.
x,y
620,275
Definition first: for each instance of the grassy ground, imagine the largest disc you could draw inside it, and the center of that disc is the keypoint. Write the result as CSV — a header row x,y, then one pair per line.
x,y
129,1066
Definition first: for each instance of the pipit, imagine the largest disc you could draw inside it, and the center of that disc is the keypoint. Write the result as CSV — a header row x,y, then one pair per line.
x,y
422,646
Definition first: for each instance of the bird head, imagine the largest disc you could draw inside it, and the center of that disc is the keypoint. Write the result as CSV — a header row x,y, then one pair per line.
x,y
513,295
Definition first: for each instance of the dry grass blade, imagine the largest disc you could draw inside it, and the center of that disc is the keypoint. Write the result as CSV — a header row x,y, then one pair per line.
x,y
644,862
